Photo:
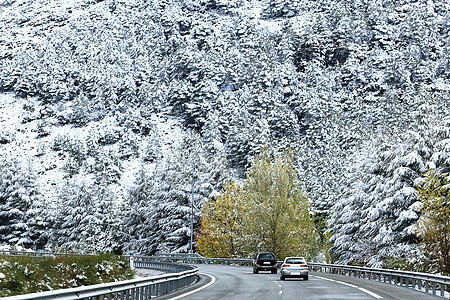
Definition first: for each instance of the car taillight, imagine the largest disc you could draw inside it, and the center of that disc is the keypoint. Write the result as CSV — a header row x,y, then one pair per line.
x,y
258,261
286,266
303,266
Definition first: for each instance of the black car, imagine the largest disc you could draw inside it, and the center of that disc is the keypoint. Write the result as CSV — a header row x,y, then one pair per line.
x,y
265,262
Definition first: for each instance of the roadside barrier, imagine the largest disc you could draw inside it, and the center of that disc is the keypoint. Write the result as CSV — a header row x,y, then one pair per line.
x,y
144,288
437,285
194,259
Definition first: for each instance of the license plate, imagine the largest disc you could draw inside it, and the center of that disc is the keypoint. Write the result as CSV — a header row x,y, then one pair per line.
x,y
266,263
295,273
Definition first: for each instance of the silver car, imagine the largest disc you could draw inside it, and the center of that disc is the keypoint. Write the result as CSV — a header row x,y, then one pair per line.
x,y
294,267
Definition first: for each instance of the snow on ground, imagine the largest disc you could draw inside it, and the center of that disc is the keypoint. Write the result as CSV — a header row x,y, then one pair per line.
x,y
170,134
28,134
147,273
18,121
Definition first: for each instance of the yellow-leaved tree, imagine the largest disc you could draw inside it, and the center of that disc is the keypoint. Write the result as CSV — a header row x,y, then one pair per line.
x,y
277,215
220,232
434,224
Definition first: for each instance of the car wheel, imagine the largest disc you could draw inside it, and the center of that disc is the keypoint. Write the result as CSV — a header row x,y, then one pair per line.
x,y
274,271
305,278
255,271
282,278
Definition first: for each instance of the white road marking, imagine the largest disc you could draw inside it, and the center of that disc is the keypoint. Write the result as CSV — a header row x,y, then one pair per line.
x,y
281,292
325,278
352,285
371,293
349,284
213,279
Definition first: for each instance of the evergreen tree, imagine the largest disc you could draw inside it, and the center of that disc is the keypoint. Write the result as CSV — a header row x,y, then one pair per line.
x,y
19,197
141,220
376,217
188,168
85,217
281,8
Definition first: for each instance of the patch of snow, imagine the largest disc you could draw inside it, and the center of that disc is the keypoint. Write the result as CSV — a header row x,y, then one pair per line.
x,y
170,131
146,273
270,25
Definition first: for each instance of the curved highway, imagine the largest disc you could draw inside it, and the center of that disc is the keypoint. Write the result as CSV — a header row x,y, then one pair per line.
x,y
232,282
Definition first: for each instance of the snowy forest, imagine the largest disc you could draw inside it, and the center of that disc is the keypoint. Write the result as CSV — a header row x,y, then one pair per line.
x,y
114,113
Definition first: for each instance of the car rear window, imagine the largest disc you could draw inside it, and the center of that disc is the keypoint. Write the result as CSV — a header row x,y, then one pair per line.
x,y
266,256
295,261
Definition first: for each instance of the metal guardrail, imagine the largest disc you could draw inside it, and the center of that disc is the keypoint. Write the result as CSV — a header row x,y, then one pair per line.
x,y
38,254
179,255
143,288
428,283
194,260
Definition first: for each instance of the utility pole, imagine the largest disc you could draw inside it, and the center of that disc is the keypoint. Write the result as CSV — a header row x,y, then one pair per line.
x,y
192,209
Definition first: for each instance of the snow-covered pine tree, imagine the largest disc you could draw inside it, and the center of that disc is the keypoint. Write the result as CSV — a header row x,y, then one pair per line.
x,y
189,166
19,198
375,218
85,219
281,8
140,218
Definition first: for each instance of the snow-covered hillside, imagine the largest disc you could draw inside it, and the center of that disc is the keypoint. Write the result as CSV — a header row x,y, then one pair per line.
x,y
30,138
116,105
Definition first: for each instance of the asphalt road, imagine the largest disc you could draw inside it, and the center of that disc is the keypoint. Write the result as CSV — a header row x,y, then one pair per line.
x,y
231,282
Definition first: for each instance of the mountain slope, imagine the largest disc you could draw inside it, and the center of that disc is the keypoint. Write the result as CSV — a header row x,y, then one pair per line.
x,y
112,87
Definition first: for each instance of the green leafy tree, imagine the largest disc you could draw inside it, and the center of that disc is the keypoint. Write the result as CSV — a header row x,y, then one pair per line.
x,y
434,223
277,211
220,234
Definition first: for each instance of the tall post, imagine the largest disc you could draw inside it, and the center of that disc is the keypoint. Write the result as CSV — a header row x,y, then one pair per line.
x,y
131,261
192,209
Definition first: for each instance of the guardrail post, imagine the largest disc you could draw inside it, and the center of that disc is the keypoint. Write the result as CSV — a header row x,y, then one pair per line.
x,y
427,286
434,288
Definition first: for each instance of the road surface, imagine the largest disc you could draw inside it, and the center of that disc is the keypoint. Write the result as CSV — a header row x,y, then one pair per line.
x,y
232,282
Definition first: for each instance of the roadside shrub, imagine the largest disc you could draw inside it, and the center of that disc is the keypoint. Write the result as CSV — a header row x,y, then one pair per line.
x,y
25,274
